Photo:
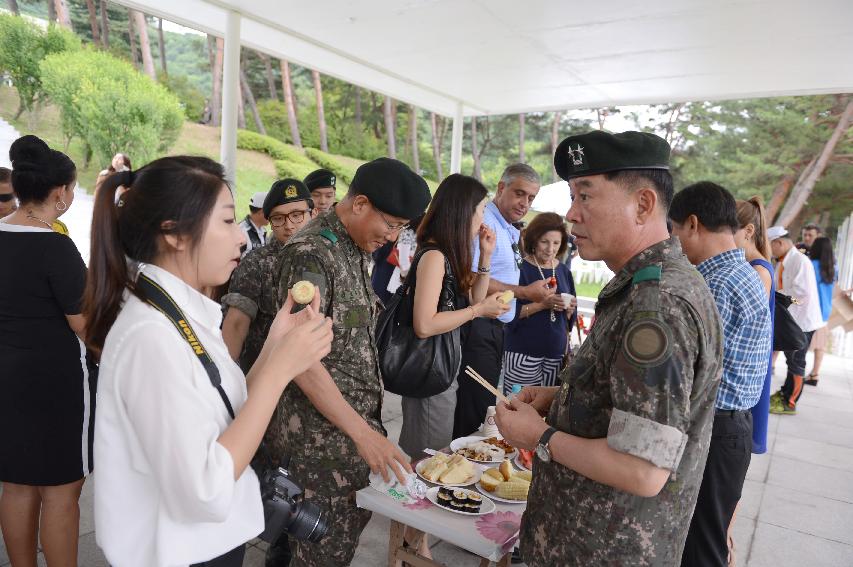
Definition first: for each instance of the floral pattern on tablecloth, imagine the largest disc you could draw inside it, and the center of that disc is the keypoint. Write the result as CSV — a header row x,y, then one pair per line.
x,y
421,504
501,528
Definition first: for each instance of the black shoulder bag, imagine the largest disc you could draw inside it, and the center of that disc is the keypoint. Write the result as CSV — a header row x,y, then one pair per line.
x,y
787,334
157,297
411,366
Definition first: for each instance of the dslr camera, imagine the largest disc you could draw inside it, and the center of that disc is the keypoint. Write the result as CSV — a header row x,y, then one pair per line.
x,y
286,510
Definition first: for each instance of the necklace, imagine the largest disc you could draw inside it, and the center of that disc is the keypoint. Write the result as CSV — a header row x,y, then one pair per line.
x,y
552,281
44,222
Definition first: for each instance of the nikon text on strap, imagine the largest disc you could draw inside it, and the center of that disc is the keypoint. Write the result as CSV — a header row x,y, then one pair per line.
x,y
157,297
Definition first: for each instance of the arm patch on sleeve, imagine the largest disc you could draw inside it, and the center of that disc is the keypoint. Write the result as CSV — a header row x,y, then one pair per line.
x,y
647,342
662,445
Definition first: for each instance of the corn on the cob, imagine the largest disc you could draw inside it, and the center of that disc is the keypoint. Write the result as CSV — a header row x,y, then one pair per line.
x,y
522,475
513,490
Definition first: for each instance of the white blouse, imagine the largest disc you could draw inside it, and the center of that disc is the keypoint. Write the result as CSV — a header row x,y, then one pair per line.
x,y
165,493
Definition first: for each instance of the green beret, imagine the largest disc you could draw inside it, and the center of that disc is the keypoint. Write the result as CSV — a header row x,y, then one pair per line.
x,y
286,191
320,178
392,187
602,152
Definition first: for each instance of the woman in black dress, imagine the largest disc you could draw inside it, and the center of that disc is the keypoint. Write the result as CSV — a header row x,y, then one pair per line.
x,y
46,390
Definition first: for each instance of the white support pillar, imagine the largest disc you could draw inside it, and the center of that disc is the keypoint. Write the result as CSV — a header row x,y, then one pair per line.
x,y
230,92
456,140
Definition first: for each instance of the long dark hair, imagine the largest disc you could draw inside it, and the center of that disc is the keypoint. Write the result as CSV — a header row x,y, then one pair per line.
x,y
821,250
171,195
447,224
125,160
36,169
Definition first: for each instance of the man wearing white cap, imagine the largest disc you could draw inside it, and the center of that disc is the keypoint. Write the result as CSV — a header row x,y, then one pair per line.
x,y
795,277
254,223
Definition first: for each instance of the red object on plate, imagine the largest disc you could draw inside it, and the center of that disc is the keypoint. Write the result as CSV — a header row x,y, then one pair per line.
x,y
526,458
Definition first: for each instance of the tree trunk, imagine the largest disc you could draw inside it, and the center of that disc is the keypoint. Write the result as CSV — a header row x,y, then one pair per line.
x,y
51,11
521,155
478,173
270,78
105,25
216,103
141,26
389,128
413,136
241,112
555,133
93,21
162,41
63,16
436,151
134,55
358,117
780,193
290,103
321,115
250,98
13,7
810,176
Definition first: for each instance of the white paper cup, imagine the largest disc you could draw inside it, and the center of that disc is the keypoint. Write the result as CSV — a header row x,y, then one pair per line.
x,y
567,299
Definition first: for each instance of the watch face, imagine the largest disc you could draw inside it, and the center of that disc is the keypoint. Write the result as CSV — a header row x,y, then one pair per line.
x,y
543,453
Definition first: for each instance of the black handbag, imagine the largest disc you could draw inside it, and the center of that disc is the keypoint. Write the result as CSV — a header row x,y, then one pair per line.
x,y
411,366
787,334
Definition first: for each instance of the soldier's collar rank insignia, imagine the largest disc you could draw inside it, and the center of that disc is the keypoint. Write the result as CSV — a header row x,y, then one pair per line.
x,y
290,192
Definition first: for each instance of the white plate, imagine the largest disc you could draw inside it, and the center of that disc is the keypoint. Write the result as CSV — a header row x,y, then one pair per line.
x,y
487,507
517,462
494,496
471,479
463,442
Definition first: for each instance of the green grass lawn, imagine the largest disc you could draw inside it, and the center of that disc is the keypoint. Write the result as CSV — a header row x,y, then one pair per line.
x,y
588,289
255,171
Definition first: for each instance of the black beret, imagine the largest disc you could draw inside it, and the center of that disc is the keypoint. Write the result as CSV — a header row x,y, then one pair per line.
x,y
286,191
320,178
392,187
602,152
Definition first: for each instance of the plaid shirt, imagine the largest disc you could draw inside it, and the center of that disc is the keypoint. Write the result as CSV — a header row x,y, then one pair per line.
x,y
747,331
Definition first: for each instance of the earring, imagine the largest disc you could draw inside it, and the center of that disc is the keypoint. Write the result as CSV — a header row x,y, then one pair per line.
x,y
63,207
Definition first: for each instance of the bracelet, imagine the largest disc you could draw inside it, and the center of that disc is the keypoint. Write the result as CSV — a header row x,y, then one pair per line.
x,y
484,269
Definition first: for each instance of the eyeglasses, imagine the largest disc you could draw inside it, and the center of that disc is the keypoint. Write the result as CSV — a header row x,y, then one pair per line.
x,y
391,227
295,217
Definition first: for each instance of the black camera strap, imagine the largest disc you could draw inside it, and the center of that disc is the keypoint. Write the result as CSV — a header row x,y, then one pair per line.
x,y
157,297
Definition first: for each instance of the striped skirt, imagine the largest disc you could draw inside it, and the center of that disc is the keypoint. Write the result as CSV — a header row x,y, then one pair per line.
x,y
526,370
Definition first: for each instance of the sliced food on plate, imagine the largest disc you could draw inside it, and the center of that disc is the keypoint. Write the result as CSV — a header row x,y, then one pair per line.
x,y
483,450
447,469
506,484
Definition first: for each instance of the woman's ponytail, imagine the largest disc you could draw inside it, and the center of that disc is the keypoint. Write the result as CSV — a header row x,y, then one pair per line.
x,y
108,275
751,212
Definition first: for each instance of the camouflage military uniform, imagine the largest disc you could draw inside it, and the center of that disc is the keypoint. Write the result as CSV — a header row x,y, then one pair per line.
x,y
324,460
646,379
254,291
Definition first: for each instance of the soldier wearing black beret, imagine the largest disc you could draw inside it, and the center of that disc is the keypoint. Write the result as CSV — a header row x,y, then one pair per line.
x,y
621,454
321,183
331,424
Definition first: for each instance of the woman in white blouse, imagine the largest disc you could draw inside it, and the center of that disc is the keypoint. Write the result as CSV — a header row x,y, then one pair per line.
x,y
174,487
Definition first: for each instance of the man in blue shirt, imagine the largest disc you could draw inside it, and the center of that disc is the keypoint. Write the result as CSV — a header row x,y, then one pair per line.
x,y
483,349
704,218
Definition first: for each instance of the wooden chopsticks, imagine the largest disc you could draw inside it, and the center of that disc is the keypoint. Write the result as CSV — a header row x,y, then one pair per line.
x,y
485,384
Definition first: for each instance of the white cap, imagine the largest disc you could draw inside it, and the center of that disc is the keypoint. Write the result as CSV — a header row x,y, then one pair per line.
x,y
775,232
257,200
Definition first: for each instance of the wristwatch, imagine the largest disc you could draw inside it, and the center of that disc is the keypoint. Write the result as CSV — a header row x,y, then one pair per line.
x,y
542,450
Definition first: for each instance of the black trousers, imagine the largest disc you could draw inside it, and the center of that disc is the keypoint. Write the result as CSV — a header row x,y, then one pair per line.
x,y
725,472
483,351
233,558
792,389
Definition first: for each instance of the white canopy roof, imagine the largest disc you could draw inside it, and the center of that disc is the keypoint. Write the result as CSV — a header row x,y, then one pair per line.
x,y
505,56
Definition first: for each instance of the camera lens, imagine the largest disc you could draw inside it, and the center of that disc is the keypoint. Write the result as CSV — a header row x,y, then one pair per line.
x,y
308,523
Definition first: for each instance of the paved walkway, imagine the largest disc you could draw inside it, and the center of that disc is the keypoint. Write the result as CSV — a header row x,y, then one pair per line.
x,y
797,507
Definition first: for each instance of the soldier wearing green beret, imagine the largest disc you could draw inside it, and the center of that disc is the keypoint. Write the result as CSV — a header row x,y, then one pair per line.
x,y
252,297
619,459
331,425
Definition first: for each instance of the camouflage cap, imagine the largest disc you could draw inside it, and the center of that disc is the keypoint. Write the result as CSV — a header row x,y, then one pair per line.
x,y
602,152
392,187
286,191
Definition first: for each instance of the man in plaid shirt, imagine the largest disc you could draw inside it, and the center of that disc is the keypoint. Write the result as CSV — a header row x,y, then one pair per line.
x,y
704,218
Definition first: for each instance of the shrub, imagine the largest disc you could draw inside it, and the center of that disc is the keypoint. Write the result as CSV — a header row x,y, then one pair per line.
x,y
23,46
110,106
192,99
274,116
289,161
329,162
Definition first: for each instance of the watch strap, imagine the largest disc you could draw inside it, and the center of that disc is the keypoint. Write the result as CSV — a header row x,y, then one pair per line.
x,y
547,436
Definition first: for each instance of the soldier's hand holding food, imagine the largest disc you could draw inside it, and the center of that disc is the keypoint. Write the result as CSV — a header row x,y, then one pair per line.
x,y
540,397
519,423
380,454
